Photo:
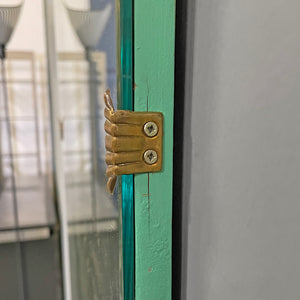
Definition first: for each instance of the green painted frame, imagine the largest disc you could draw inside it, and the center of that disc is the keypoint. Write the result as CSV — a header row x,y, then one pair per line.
x,y
154,46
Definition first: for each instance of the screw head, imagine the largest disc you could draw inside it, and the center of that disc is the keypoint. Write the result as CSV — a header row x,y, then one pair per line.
x,y
150,129
150,157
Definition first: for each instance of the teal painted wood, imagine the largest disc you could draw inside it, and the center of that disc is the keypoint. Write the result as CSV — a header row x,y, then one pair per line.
x,y
125,101
154,36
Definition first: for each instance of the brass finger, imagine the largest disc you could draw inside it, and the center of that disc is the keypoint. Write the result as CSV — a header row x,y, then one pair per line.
x,y
122,157
111,184
130,117
108,100
123,169
122,129
123,143
120,116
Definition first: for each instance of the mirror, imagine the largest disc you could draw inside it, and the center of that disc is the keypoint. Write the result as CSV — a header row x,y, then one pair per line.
x,y
59,228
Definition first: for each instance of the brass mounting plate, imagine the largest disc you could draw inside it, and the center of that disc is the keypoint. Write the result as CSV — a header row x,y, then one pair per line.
x,y
133,142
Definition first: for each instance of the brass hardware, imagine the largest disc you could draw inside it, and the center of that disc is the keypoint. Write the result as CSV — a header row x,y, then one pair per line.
x,y
133,142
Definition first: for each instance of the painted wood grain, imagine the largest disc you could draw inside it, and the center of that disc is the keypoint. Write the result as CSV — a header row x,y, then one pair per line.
x,y
154,35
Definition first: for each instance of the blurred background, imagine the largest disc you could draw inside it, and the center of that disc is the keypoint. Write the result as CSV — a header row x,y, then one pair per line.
x,y
59,229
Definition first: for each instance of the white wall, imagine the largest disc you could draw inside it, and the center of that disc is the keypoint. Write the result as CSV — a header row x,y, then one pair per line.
x,y
242,151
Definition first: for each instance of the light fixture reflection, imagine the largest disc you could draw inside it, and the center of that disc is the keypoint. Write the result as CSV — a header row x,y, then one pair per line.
x,y
89,24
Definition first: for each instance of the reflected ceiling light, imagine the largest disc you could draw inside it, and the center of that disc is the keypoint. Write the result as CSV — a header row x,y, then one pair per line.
x,y
89,24
9,15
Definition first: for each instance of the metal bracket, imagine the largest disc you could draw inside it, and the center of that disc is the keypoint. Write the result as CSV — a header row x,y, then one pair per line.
x,y
133,142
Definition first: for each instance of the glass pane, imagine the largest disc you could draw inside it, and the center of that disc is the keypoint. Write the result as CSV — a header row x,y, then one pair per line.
x,y
29,236
60,231
85,54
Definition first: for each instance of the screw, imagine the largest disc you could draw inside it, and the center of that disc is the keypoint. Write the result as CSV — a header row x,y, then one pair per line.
x,y
150,157
150,129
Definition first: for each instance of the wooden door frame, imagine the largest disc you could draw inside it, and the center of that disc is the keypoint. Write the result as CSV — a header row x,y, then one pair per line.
x,y
154,47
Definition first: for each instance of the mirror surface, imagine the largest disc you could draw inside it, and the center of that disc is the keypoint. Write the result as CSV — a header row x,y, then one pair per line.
x,y
59,228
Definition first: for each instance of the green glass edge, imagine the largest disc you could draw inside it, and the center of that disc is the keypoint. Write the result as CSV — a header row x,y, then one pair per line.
x,y
124,17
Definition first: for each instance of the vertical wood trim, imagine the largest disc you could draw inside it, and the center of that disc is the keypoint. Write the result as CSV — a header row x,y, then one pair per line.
x,y
154,38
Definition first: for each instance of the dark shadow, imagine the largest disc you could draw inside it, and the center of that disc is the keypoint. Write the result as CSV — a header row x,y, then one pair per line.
x,y
179,140
186,103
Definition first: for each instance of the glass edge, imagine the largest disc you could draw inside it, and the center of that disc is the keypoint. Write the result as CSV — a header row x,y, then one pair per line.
x,y
124,33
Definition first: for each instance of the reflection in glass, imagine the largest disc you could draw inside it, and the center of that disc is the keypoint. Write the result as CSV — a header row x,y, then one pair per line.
x,y
59,60
28,222
85,51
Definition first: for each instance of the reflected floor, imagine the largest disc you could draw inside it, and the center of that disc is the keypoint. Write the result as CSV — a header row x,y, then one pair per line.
x,y
36,209
88,204
36,213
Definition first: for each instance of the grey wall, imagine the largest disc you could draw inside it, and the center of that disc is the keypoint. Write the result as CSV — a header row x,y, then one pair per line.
x,y
242,151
